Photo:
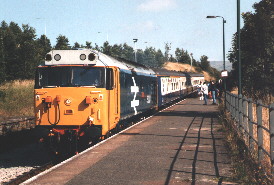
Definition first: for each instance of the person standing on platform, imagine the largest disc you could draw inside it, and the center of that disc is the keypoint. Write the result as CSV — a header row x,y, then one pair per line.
x,y
204,90
200,94
213,89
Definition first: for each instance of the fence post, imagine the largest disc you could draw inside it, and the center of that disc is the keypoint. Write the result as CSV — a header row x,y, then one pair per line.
x,y
245,119
225,102
260,129
229,102
240,110
250,124
271,125
233,106
237,110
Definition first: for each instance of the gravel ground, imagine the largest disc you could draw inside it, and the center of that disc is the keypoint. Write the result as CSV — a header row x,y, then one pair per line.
x,y
23,159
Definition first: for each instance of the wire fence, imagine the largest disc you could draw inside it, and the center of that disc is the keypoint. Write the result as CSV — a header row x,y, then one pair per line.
x,y
255,122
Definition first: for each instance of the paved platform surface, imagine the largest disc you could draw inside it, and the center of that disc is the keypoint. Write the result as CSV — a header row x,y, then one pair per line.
x,y
180,145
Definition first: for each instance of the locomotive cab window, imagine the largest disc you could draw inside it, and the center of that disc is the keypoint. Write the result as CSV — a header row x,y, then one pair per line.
x,y
87,77
67,76
109,79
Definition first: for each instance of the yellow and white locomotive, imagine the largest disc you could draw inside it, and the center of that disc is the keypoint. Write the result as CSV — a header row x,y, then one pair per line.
x,y
85,94
82,95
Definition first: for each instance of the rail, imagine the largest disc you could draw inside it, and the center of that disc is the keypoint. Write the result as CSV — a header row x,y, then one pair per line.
x,y
255,122
30,174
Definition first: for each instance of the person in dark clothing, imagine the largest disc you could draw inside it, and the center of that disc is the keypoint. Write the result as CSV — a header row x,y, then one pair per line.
x,y
219,86
214,91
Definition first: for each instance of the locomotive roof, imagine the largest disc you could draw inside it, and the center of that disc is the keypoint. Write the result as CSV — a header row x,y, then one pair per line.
x,y
92,57
96,58
123,64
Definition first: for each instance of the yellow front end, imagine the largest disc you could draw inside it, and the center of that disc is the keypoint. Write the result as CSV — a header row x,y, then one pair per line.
x,y
76,108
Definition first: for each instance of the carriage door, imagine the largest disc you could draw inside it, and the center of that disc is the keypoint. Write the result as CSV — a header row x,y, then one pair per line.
x,y
116,93
113,100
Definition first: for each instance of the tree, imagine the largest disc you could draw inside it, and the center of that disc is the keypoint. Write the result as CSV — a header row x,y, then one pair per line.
x,y
128,52
167,49
2,54
116,50
160,59
44,43
97,48
76,45
11,44
205,65
182,56
88,45
62,43
20,51
106,48
257,43
172,59
178,55
43,47
140,56
149,57
152,58
27,51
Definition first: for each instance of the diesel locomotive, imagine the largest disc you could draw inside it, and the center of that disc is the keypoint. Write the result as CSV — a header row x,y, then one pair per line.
x,y
83,95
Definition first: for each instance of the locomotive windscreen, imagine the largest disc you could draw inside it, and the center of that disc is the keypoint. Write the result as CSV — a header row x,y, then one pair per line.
x,y
70,76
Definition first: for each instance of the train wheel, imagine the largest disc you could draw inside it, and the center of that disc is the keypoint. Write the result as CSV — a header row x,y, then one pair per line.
x,y
95,140
108,134
118,128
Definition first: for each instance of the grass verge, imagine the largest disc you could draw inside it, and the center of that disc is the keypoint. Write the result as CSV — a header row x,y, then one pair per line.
x,y
245,168
16,99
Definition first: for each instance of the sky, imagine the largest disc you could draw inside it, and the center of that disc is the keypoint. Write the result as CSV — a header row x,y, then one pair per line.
x,y
181,23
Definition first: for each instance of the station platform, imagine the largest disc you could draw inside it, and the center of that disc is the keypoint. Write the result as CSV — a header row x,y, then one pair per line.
x,y
182,144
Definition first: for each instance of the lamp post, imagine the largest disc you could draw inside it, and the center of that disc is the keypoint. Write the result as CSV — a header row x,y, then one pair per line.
x,y
224,21
239,48
135,40
191,58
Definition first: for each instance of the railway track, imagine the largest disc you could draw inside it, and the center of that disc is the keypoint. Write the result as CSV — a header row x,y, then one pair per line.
x,y
16,125
30,174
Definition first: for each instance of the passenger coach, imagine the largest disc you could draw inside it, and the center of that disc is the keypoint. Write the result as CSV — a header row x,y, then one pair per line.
x,y
173,85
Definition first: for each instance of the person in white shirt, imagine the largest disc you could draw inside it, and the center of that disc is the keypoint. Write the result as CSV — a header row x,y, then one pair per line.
x,y
200,94
204,90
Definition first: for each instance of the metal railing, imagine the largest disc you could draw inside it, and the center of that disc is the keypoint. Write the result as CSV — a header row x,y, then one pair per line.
x,y
255,122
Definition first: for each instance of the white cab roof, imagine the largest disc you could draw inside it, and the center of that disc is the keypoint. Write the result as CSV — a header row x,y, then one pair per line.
x,y
81,57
